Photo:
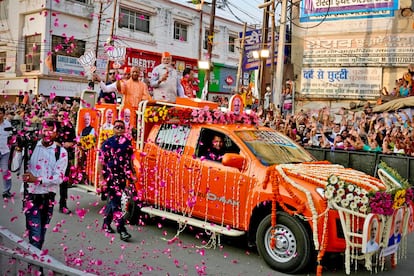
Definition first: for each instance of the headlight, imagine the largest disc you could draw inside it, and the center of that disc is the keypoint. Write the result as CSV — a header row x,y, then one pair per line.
x,y
321,191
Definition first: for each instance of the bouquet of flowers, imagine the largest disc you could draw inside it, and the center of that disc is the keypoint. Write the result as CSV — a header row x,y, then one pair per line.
x,y
155,114
216,116
385,202
105,134
346,195
87,142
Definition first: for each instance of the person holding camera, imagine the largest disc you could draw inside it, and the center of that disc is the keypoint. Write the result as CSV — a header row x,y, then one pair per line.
x,y
5,131
45,172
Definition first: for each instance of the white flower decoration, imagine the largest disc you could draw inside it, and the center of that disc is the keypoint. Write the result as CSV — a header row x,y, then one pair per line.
x,y
328,194
338,199
350,197
341,183
363,208
351,188
345,203
341,192
365,200
333,179
353,205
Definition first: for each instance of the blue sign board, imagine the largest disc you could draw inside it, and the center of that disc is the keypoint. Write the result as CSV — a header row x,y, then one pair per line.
x,y
253,42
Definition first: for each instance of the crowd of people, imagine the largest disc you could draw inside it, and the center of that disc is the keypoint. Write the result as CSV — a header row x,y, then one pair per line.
x,y
386,132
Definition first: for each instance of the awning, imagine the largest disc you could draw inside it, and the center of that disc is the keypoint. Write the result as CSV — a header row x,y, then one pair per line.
x,y
395,104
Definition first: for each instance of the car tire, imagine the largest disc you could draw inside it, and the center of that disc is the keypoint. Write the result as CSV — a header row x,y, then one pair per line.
x,y
293,249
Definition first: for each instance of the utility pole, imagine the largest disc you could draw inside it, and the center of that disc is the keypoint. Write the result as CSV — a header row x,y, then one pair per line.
x,y
210,41
280,57
239,68
263,61
111,35
272,55
91,83
200,38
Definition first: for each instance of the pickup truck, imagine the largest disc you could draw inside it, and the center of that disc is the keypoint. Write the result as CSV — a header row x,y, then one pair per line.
x,y
264,187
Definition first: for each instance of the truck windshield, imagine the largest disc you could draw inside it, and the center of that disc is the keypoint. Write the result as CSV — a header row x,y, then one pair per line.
x,y
271,147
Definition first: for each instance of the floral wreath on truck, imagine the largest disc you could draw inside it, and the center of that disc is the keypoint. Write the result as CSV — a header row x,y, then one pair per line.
x,y
357,198
160,114
355,203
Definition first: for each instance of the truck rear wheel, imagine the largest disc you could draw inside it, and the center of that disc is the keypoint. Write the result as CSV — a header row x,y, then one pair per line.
x,y
292,251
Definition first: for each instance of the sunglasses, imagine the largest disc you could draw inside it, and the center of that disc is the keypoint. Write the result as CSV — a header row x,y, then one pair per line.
x,y
119,127
111,73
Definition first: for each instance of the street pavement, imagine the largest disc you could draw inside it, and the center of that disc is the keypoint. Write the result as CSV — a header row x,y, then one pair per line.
x,y
78,241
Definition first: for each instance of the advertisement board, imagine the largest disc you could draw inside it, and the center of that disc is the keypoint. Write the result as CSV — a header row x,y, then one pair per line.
x,y
341,83
326,10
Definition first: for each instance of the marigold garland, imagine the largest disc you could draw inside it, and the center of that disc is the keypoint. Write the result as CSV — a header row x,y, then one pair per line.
x,y
155,114
325,239
87,142
159,114
105,134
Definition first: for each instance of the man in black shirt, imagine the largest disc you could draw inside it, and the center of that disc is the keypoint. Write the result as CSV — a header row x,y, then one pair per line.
x,y
66,138
116,160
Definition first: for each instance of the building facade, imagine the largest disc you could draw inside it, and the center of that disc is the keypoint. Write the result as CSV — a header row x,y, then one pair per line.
x,y
41,40
348,51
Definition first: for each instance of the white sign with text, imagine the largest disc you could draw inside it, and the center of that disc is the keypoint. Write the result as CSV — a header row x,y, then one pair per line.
x,y
341,82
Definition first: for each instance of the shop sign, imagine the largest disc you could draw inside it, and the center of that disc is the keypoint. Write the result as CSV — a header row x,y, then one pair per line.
x,y
68,65
316,10
341,82
378,49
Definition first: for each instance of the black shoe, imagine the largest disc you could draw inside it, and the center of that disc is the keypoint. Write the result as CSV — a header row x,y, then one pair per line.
x,y
108,229
65,211
125,236
7,194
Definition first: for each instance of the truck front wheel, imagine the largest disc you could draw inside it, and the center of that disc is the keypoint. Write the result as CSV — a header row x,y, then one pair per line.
x,y
286,247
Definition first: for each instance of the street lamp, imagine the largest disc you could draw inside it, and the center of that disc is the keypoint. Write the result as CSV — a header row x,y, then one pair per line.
x,y
203,64
263,53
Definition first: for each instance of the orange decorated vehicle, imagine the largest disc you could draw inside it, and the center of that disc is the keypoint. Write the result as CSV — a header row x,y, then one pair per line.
x,y
263,186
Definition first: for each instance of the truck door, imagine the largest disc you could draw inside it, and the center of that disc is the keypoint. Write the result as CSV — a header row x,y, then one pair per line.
x,y
215,192
162,166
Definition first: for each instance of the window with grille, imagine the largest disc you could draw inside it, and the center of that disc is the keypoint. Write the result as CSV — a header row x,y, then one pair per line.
x,y
172,137
68,46
136,21
180,31
32,52
205,41
232,41
2,61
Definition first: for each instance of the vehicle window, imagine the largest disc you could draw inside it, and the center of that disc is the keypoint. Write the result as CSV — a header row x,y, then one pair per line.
x,y
271,147
172,137
213,145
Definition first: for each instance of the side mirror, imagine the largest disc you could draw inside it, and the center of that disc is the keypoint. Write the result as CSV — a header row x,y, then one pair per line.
x,y
234,160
